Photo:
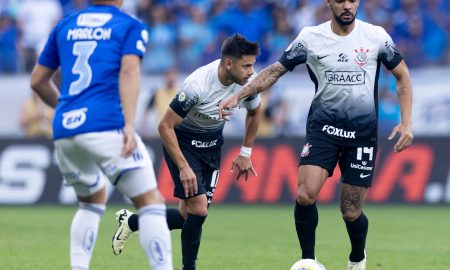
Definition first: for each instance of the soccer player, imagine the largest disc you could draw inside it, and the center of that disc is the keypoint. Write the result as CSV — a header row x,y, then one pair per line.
x,y
99,51
191,131
343,57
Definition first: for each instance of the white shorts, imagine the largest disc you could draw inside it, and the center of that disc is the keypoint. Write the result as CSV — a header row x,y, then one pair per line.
x,y
86,160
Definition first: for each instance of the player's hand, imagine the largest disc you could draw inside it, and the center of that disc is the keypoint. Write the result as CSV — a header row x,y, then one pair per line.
x,y
406,137
189,181
244,166
129,141
226,107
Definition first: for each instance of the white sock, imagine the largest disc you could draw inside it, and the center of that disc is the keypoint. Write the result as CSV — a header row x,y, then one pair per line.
x,y
83,233
155,236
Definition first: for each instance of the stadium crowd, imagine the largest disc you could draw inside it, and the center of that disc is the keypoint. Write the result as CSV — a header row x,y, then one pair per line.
x,y
185,34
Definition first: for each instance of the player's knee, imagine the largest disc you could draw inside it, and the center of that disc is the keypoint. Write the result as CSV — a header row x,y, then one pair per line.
x,y
150,197
351,215
156,197
305,197
197,205
198,211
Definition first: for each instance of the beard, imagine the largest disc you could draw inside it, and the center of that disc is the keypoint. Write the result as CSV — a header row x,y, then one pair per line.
x,y
237,79
344,22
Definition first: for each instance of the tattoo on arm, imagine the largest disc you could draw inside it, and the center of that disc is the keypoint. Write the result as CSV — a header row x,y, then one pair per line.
x,y
268,77
400,91
403,80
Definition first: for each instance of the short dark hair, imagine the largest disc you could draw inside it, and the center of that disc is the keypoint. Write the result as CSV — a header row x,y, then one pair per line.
x,y
237,46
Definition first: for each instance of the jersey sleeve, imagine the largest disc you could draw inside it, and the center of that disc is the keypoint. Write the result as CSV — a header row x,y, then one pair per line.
x,y
295,54
184,100
388,52
49,56
251,102
136,40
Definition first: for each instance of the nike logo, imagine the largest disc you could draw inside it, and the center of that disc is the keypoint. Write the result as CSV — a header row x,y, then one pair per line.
x,y
364,175
118,235
320,57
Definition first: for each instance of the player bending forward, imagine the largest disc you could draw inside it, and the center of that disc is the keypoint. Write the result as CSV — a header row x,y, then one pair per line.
x,y
191,131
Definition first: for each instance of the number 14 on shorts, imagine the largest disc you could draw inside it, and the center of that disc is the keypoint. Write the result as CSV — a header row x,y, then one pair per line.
x,y
364,150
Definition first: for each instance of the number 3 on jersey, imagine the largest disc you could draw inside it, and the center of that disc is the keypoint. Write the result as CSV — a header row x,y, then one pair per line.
x,y
83,51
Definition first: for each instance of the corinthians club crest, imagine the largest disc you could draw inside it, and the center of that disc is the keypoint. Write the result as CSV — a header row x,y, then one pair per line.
x,y
306,151
361,56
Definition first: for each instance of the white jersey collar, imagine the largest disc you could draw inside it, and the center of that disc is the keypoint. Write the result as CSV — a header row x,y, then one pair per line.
x,y
355,30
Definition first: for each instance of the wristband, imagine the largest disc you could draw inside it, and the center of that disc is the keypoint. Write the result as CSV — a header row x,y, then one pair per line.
x,y
245,151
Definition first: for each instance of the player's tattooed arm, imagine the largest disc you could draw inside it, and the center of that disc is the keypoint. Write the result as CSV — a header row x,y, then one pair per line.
x,y
263,81
268,77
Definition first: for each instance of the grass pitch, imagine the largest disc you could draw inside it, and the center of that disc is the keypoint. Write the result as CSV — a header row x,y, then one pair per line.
x,y
238,238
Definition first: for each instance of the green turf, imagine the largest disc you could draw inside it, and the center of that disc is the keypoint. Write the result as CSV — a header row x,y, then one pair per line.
x,y
238,237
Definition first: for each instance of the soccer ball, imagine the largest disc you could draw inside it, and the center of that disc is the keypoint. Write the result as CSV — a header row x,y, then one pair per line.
x,y
307,264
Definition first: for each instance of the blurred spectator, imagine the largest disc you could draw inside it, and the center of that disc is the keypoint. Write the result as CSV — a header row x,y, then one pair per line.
x,y
10,7
377,12
274,119
304,15
188,33
322,13
410,41
422,42
160,55
251,19
388,111
36,118
194,36
73,6
8,48
265,128
437,27
217,15
131,6
36,19
279,39
158,103
143,8
218,18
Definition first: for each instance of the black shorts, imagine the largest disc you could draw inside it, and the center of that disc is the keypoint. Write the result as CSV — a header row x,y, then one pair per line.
x,y
203,153
357,162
